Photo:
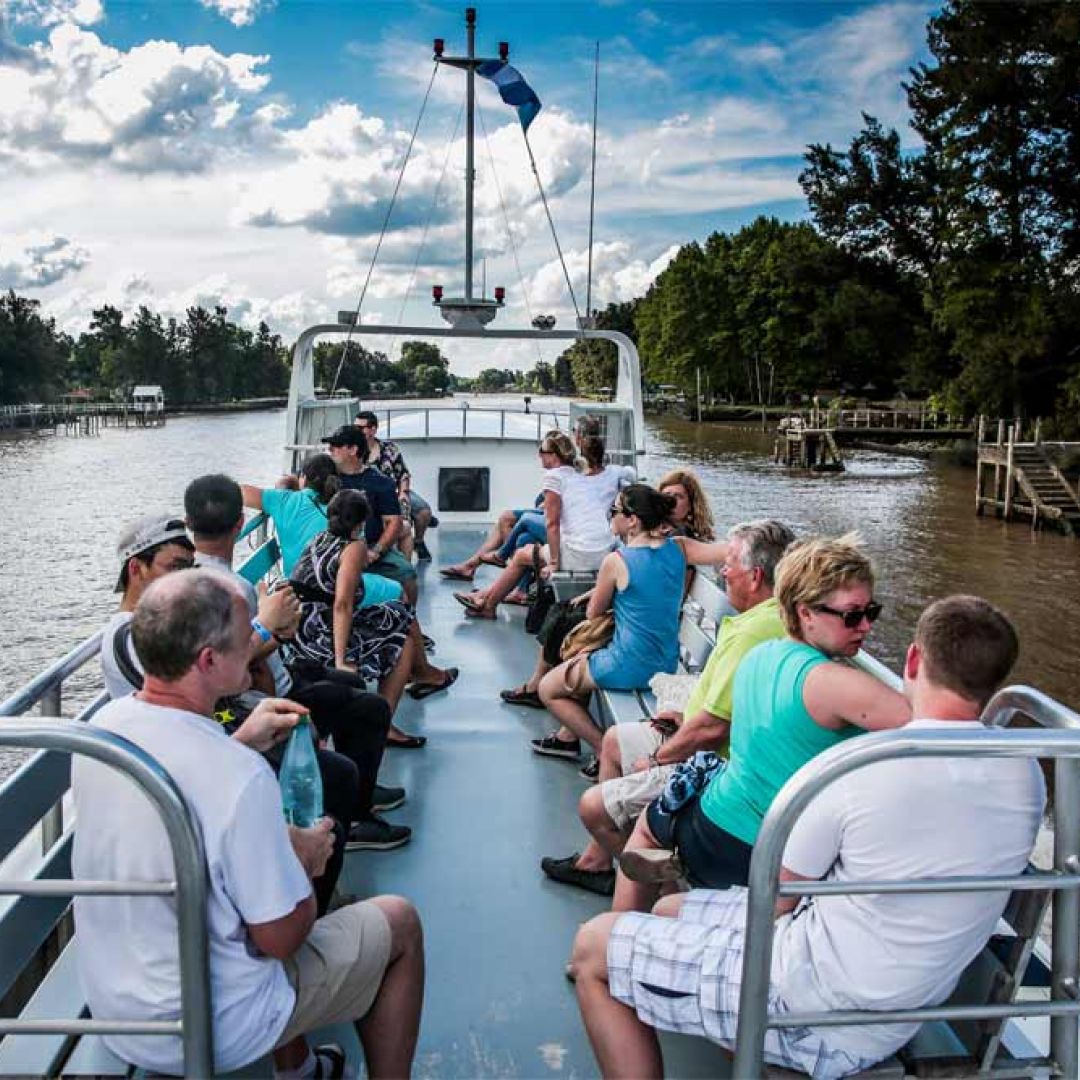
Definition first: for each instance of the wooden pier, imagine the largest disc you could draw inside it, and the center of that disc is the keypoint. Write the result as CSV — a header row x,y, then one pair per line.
x,y
1024,479
800,447
83,418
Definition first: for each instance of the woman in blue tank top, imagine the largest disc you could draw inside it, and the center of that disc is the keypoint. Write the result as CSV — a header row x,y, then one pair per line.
x,y
641,583
790,704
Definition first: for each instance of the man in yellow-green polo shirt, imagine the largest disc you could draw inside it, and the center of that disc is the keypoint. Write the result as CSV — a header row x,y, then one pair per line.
x,y
637,759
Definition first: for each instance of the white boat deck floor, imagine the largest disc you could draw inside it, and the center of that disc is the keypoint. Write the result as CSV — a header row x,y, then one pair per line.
x,y
484,809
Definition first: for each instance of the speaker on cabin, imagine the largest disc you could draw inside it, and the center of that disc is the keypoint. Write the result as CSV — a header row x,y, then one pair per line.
x,y
465,490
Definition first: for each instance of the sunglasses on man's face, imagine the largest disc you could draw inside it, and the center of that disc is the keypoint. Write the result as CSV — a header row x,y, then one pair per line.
x,y
853,617
615,509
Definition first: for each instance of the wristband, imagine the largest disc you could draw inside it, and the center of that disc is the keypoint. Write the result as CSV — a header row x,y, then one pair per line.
x,y
264,635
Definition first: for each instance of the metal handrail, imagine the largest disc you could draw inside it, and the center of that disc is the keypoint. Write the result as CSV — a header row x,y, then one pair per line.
x,y
52,677
1062,744
190,887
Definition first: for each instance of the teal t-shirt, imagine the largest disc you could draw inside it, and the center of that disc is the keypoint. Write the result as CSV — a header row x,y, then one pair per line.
x,y
772,735
298,518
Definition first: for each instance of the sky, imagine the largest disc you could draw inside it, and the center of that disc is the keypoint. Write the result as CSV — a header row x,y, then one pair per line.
x,y
245,152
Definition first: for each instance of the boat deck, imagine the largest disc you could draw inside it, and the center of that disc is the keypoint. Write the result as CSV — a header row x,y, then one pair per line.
x,y
484,809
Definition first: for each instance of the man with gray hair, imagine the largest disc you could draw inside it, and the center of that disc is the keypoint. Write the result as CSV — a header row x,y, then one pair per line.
x,y
637,759
276,973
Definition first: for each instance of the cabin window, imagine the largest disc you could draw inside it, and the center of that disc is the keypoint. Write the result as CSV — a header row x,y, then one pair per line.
x,y
465,490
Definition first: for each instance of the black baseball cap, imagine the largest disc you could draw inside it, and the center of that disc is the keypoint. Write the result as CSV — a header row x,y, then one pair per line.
x,y
347,435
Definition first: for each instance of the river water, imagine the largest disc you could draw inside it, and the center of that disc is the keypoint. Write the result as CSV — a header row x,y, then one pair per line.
x,y
64,500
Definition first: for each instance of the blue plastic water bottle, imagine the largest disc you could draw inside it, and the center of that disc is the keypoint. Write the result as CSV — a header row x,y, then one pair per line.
x,y
301,784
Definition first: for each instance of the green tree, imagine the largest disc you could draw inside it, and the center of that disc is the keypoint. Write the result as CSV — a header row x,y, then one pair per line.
x,y
33,353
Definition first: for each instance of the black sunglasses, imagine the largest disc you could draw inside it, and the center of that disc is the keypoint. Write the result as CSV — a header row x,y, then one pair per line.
x,y
853,616
616,508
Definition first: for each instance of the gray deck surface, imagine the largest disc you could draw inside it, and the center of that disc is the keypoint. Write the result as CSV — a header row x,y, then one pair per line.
x,y
485,809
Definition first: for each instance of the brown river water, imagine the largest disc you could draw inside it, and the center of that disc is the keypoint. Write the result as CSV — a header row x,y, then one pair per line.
x,y
63,500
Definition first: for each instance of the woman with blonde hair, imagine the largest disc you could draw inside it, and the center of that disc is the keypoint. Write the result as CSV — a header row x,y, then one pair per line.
x,y
517,527
692,515
792,700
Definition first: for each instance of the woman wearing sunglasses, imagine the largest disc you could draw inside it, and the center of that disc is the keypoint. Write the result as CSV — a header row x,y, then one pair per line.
x,y
793,698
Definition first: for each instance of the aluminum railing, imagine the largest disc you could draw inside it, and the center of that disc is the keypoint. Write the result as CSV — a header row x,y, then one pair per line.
x,y
1062,744
190,887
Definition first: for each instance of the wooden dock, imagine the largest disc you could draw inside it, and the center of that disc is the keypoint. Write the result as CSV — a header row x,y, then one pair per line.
x,y
83,418
1023,479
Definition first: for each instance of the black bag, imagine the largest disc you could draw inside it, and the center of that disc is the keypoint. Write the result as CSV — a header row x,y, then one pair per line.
x,y
561,618
545,597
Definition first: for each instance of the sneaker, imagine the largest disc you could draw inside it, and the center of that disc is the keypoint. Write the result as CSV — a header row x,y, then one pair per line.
x,y
387,798
591,770
331,1063
422,553
650,865
564,871
553,747
375,834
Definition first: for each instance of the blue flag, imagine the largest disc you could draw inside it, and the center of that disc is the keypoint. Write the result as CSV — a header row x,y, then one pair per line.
x,y
513,89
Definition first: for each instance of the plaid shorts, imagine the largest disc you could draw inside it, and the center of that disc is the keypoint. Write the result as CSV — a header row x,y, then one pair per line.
x,y
684,974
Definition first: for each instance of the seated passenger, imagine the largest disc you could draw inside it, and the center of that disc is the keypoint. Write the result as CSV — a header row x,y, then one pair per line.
x,y
641,584
791,701
155,546
555,449
416,513
276,973
637,759
380,642
690,516
347,447
299,515
357,721
928,817
576,506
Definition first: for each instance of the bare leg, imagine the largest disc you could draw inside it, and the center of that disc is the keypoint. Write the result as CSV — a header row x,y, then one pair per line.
x,y
406,543
623,1045
423,670
634,895
421,521
390,1029
507,579
495,538
392,686
569,711
289,1058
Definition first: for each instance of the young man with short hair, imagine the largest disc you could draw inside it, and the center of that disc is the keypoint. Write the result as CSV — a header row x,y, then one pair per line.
x,y
276,973
348,447
386,457
357,721
679,969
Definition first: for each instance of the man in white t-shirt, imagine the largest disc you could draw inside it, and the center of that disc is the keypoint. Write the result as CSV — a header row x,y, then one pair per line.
x,y
679,969
276,973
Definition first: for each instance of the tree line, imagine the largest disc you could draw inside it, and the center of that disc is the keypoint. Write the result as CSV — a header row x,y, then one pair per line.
x,y
949,272
203,358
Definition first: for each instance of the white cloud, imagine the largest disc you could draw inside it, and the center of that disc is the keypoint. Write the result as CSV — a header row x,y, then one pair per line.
x,y
618,275
158,106
54,12
34,261
238,12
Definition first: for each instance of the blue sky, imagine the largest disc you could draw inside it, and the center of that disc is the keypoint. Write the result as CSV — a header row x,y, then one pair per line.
x,y
244,152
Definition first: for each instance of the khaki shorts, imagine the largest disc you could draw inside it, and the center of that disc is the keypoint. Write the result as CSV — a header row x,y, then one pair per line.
x,y
337,972
626,796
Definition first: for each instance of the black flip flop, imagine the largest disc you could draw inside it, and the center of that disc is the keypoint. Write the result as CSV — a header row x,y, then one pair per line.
x,y
412,742
425,690
466,601
450,573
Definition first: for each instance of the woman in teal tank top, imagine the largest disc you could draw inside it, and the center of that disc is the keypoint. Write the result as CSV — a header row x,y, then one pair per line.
x,y
792,700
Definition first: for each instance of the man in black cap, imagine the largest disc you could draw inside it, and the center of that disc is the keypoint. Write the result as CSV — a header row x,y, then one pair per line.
x,y
348,447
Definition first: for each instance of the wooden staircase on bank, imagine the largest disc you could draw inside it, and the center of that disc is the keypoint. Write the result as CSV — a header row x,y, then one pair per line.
x,y
1045,487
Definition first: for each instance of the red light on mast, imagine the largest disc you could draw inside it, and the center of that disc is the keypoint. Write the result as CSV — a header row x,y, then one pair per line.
x,y
440,44
436,293
504,50
500,294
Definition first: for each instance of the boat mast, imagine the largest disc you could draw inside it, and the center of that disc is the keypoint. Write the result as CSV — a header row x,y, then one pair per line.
x,y
469,311
588,321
